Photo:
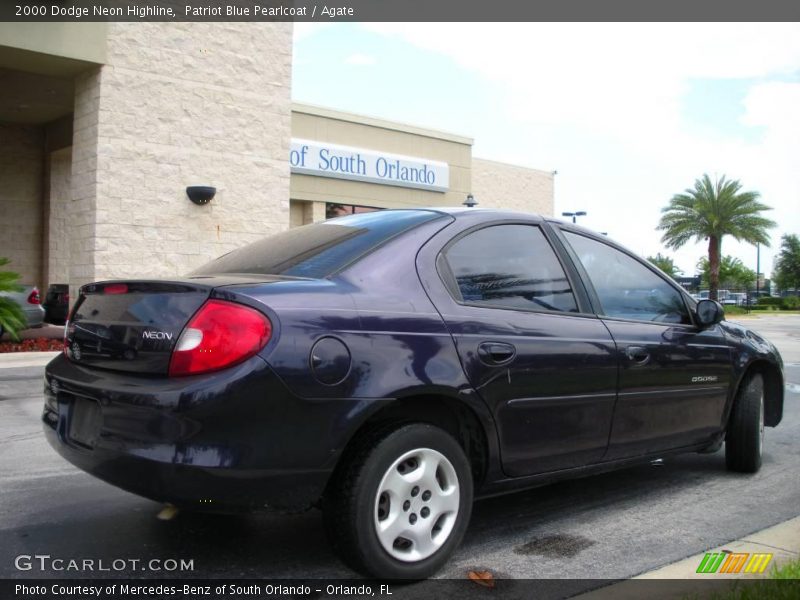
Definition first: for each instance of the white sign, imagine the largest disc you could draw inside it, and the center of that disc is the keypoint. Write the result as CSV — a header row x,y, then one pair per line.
x,y
345,162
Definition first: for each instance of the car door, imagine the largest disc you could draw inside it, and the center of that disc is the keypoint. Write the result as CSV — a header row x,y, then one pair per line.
x,y
673,376
545,368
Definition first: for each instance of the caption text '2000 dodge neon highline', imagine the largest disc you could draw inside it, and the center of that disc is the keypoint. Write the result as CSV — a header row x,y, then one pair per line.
x,y
391,366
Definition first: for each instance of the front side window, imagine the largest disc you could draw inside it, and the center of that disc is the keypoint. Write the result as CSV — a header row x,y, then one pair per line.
x,y
509,266
626,288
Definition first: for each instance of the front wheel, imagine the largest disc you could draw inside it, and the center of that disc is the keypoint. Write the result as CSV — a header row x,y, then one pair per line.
x,y
744,441
400,504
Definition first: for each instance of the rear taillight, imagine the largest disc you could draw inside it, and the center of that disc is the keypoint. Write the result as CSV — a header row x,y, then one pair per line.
x,y
221,334
33,297
115,288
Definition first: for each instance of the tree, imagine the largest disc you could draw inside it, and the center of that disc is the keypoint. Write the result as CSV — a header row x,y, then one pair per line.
x,y
710,211
666,264
732,273
787,265
12,319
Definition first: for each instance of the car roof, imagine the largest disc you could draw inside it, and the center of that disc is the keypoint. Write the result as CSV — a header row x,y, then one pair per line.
x,y
501,214
497,213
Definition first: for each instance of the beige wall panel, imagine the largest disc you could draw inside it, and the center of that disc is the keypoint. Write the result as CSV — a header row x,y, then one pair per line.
x,y
500,185
51,48
78,41
21,172
58,238
296,213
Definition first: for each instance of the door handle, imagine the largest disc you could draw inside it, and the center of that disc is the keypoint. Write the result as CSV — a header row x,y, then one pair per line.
x,y
637,354
496,353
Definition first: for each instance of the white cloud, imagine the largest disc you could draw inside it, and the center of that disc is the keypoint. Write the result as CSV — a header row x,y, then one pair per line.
x,y
361,60
627,83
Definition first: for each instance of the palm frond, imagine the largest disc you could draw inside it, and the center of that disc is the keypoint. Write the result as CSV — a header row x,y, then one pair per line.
x,y
714,208
12,319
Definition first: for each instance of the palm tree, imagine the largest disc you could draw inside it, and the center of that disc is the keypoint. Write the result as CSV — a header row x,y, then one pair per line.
x,y
710,211
666,264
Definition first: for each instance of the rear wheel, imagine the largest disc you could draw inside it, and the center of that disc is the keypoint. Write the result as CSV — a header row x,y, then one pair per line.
x,y
400,504
744,441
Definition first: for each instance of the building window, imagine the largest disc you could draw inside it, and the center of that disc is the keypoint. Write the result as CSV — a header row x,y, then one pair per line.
x,y
339,210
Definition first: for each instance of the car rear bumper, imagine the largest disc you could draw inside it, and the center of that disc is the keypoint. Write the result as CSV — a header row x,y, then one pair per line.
x,y
232,440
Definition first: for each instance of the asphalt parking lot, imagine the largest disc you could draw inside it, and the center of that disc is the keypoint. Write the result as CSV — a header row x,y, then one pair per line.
x,y
607,526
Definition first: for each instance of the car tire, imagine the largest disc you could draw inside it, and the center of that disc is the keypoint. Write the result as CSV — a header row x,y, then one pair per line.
x,y
744,440
400,503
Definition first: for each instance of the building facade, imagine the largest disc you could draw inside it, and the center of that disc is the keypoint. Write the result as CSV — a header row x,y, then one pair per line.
x,y
103,126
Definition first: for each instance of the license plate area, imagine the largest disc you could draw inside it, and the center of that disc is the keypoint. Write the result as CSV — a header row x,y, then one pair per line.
x,y
84,422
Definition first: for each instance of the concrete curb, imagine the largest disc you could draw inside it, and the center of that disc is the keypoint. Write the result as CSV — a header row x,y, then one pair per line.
x,y
782,540
11,360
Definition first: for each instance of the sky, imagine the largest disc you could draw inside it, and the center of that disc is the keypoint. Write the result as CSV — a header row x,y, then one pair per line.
x,y
627,114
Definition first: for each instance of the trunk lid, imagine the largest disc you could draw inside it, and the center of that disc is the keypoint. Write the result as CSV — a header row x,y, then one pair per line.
x,y
133,326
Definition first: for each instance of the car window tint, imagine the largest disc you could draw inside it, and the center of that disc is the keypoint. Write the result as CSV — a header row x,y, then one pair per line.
x,y
510,266
626,288
320,249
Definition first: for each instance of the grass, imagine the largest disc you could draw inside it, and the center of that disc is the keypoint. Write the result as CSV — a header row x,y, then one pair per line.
x,y
735,310
782,583
738,311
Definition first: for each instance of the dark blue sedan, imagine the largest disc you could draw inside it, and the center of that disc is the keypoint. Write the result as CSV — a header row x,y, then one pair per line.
x,y
390,367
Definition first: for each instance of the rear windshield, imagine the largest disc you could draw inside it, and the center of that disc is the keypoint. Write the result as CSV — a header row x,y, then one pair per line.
x,y
320,249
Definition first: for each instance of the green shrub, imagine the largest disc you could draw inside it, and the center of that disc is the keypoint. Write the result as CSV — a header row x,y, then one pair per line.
x,y
735,310
790,303
12,319
769,301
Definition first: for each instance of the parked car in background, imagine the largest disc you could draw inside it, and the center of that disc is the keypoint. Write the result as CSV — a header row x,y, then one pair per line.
x,y
56,304
735,299
31,304
389,367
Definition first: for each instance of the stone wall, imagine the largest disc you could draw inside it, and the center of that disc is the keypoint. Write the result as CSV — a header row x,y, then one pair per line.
x,y
58,233
179,104
500,185
21,168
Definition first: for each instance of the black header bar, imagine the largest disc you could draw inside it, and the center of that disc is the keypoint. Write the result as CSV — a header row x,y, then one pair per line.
x,y
401,10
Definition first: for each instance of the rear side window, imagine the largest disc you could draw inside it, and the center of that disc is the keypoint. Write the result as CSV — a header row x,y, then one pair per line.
x,y
626,288
509,266
320,249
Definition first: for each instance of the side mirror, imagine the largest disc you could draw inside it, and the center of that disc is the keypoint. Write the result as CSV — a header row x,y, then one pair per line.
x,y
709,312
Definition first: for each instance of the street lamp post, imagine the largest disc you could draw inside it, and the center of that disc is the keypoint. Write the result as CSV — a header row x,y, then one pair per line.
x,y
580,213
758,267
